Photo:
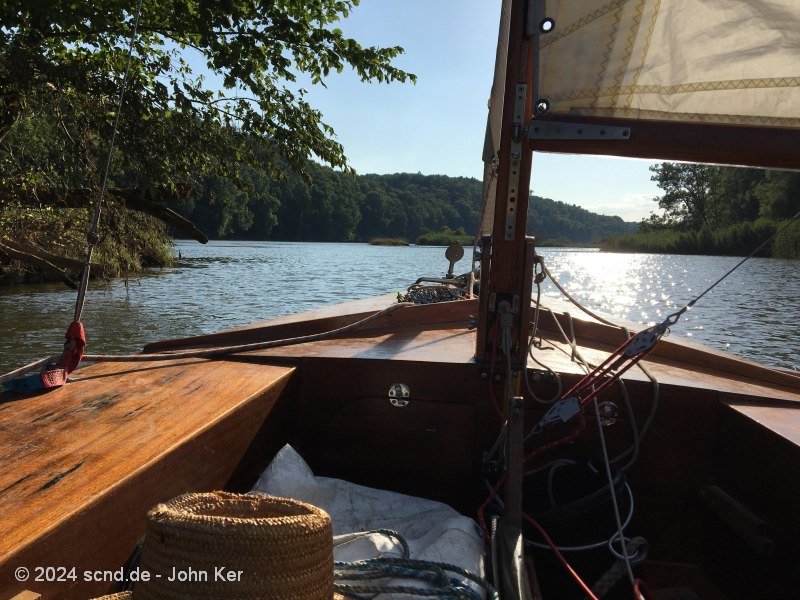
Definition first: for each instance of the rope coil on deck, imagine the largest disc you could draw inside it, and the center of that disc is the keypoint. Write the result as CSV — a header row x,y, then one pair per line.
x,y
441,585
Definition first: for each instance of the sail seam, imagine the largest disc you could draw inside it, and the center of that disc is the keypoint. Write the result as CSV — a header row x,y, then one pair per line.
x,y
602,71
582,22
633,33
645,50
680,88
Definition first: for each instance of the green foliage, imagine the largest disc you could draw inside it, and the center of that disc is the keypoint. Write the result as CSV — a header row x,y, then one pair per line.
x,y
446,236
552,221
739,239
779,194
335,206
698,196
62,61
389,242
231,125
131,240
687,198
787,242
717,210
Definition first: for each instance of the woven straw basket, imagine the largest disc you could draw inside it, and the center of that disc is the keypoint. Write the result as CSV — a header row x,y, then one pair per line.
x,y
222,545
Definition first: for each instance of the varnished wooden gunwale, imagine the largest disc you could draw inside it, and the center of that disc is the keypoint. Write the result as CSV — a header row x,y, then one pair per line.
x,y
81,465
438,333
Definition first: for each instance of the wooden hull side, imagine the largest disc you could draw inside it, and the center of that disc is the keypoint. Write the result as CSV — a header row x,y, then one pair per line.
x,y
140,435
434,445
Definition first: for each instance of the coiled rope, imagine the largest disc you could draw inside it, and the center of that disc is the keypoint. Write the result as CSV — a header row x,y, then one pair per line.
x,y
354,579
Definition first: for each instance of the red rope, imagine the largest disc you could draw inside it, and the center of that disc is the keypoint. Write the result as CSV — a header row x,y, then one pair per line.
x,y
570,437
561,558
641,591
609,371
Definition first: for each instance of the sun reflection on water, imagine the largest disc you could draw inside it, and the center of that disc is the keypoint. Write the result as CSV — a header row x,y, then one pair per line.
x,y
757,321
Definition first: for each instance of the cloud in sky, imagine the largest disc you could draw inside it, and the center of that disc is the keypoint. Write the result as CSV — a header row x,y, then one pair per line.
x,y
631,207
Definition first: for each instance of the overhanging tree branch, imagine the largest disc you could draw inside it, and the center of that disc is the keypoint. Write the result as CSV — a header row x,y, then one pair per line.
x,y
147,200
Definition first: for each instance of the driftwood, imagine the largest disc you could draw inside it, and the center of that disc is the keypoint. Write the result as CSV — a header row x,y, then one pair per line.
x,y
38,261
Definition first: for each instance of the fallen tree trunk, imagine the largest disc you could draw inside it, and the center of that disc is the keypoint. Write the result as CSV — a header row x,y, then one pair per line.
x,y
63,262
38,261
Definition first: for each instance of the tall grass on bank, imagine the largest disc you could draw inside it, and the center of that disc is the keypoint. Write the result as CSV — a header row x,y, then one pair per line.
x,y
386,241
739,239
787,243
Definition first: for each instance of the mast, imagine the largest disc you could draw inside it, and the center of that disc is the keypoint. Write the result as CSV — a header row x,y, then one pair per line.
x,y
507,257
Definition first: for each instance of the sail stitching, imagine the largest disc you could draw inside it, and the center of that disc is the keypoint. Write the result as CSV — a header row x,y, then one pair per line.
x,y
730,119
645,50
681,88
633,34
607,55
580,23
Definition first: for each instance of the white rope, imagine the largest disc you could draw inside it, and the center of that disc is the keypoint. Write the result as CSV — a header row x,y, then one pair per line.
x,y
211,352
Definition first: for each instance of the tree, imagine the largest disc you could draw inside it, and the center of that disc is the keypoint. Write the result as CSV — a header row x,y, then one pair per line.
x,y
735,190
61,65
779,194
688,197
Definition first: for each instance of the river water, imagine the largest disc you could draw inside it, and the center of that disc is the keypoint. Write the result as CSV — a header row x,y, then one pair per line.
x,y
754,313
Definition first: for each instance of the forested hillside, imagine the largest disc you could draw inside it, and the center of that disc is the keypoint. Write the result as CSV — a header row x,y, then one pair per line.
x,y
338,207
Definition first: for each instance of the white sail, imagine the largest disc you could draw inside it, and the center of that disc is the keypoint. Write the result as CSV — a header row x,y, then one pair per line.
x,y
734,62
494,122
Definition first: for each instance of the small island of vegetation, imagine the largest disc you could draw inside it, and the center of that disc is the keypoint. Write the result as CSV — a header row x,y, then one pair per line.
x,y
383,241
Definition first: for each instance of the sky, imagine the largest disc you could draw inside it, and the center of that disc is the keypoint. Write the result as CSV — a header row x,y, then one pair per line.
x,y
437,126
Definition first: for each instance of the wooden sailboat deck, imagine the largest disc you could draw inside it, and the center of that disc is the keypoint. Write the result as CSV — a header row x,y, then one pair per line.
x,y
134,434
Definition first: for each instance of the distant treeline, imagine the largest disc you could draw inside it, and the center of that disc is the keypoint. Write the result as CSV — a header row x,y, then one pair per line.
x,y
331,206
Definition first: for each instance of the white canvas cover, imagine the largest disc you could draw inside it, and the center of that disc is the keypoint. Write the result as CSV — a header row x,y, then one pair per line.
x,y
434,531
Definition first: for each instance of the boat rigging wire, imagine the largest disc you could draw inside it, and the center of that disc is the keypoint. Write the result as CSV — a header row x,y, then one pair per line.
x,y
93,236
537,280
592,545
213,352
574,301
55,370
614,503
736,266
